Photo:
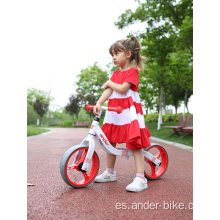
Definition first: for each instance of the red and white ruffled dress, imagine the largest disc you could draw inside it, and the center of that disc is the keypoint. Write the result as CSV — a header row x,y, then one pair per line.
x,y
129,126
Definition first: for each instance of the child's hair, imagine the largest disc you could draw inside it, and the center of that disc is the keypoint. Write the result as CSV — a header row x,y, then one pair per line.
x,y
131,44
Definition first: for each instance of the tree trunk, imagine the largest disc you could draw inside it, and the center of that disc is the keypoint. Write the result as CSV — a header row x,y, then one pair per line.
x,y
38,121
176,109
176,102
72,119
148,106
164,102
157,108
185,101
147,110
160,113
186,98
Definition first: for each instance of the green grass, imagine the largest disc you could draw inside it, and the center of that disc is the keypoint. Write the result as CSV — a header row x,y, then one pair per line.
x,y
33,130
163,133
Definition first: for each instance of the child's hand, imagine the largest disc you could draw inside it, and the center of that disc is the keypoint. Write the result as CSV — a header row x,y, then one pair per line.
x,y
96,109
106,85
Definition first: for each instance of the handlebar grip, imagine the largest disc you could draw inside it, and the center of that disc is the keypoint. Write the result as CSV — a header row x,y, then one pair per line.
x,y
89,107
114,109
118,109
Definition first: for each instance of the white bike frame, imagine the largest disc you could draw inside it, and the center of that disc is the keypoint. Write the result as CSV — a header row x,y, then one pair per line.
x,y
96,132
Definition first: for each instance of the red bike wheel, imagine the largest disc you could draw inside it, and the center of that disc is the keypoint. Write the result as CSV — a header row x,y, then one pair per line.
x,y
151,170
71,164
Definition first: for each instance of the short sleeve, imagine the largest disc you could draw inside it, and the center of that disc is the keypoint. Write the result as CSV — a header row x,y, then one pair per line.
x,y
112,77
132,76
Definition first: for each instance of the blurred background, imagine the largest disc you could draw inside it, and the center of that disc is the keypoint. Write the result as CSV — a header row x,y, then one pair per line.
x,y
68,60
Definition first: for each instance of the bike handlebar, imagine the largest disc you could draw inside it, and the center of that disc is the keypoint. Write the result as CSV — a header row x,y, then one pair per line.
x,y
114,109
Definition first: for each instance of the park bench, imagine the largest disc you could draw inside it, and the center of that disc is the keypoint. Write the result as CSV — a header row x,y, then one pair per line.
x,y
78,124
86,124
82,124
188,126
182,122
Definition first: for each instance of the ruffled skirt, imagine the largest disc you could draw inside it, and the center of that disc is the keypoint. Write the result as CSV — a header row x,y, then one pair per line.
x,y
129,126
131,134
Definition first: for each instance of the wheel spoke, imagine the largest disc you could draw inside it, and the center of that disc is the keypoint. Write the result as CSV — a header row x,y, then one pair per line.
x,y
159,155
72,167
85,176
152,169
83,157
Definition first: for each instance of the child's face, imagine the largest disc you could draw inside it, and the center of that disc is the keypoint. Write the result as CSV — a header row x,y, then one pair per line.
x,y
119,58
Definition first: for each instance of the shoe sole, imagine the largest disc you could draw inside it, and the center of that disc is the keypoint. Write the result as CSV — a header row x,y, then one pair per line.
x,y
136,190
104,181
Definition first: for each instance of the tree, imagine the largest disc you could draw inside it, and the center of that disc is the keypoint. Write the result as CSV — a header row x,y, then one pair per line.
x,y
82,99
73,106
33,94
181,65
91,99
91,81
178,14
146,90
40,107
185,38
111,68
31,115
157,47
168,22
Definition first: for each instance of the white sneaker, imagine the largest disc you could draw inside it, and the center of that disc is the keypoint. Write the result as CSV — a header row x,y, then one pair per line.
x,y
106,177
137,185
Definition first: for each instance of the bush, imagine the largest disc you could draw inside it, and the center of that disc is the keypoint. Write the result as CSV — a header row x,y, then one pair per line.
x,y
31,115
151,117
165,118
54,122
170,117
66,123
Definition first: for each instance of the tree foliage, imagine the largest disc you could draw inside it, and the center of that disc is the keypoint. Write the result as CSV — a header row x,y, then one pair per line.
x,y
179,14
91,81
167,42
33,94
40,107
39,101
31,115
73,107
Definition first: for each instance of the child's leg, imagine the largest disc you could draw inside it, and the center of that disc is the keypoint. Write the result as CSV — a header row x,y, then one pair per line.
x,y
110,158
139,183
139,162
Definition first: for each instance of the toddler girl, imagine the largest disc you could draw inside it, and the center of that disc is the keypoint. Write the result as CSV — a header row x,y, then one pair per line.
x,y
129,126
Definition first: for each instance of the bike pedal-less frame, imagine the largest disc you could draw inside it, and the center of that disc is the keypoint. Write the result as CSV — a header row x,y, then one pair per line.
x,y
85,157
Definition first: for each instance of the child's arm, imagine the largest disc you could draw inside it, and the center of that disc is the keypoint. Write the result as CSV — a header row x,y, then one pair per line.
x,y
106,94
118,87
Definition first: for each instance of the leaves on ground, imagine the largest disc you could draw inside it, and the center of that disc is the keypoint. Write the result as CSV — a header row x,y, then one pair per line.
x,y
30,184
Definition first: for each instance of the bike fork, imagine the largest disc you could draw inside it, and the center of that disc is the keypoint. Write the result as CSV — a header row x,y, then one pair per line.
x,y
89,155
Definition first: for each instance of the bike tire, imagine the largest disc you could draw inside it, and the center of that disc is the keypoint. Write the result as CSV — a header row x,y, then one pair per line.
x,y
65,168
153,174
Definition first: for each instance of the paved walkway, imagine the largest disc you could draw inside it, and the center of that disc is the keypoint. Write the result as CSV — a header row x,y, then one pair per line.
x,y
51,198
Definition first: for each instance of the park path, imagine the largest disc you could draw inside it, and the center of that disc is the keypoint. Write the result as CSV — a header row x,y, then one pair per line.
x,y
52,198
